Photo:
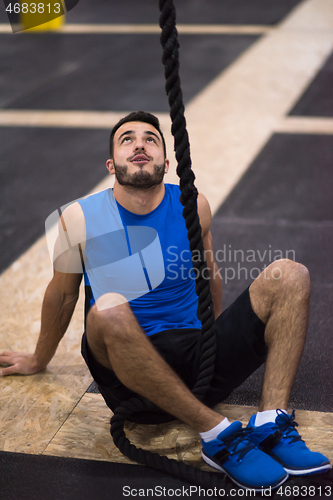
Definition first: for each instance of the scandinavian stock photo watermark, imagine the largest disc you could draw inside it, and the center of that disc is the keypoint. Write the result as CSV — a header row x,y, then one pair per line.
x,y
232,263
122,263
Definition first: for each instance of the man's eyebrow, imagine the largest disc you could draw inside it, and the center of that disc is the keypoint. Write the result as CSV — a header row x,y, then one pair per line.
x,y
129,132
148,132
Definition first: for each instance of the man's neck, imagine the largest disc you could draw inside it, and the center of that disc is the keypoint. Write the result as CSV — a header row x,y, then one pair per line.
x,y
139,201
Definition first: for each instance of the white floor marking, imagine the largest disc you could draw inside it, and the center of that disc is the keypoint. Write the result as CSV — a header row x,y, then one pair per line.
x,y
149,29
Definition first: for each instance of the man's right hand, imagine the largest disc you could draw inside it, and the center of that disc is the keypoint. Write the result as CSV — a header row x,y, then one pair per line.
x,y
18,363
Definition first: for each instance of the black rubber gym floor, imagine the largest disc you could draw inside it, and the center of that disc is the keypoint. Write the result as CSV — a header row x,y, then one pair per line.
x,y
283,207
318,98
58,478
188,11
103,72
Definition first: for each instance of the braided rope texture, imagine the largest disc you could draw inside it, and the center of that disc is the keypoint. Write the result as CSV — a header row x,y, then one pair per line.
x,y
154,460
189,193
188,198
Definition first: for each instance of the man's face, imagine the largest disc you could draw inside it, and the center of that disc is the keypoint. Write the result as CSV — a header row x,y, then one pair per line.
x,y
138,156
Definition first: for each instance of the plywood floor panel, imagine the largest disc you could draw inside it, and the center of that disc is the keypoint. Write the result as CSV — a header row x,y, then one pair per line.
x,y
86,433
34,408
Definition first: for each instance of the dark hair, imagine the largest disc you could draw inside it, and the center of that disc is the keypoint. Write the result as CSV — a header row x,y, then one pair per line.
x,y
137,116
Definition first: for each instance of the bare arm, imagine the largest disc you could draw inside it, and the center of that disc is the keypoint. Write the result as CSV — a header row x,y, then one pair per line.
x,y
57,309
58,306
215,277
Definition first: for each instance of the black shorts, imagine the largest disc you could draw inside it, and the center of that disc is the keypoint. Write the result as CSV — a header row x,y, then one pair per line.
x,y
241,349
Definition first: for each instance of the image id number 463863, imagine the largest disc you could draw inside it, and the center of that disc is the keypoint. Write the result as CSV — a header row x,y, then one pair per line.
x,y
305,491
32,8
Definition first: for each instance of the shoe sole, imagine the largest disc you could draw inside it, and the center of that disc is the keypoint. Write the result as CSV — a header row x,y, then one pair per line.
x,y
211,462
307,472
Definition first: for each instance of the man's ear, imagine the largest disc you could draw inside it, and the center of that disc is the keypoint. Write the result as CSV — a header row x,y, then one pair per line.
x,y
166,166
110,166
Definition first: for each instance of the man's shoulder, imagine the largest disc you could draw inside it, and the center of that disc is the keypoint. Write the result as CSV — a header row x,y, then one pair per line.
x,y
73,222
205,213
95,197
73,211
172,191
176,189
172,187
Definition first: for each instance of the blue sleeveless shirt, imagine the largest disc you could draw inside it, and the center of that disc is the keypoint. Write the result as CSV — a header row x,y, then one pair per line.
x,y
146,258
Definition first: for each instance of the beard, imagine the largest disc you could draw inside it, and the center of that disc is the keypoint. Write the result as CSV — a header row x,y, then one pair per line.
x,y
141,179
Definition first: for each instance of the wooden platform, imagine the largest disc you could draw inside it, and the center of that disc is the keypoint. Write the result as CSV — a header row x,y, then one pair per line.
x,y
86,434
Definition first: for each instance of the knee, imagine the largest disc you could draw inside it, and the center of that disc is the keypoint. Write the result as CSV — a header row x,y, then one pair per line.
x,y
290,277
109,309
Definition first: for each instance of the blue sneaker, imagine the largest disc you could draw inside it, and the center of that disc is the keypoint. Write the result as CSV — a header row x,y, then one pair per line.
x,y
235,455
281,441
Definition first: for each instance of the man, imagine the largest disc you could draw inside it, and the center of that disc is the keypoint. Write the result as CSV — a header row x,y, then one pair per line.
x,y
142,332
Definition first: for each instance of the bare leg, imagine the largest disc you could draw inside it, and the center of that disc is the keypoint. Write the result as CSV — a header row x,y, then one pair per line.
x,y
280,297
118,343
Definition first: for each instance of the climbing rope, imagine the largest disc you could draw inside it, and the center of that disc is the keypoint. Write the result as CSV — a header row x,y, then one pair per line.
x,y
188,198
189,193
